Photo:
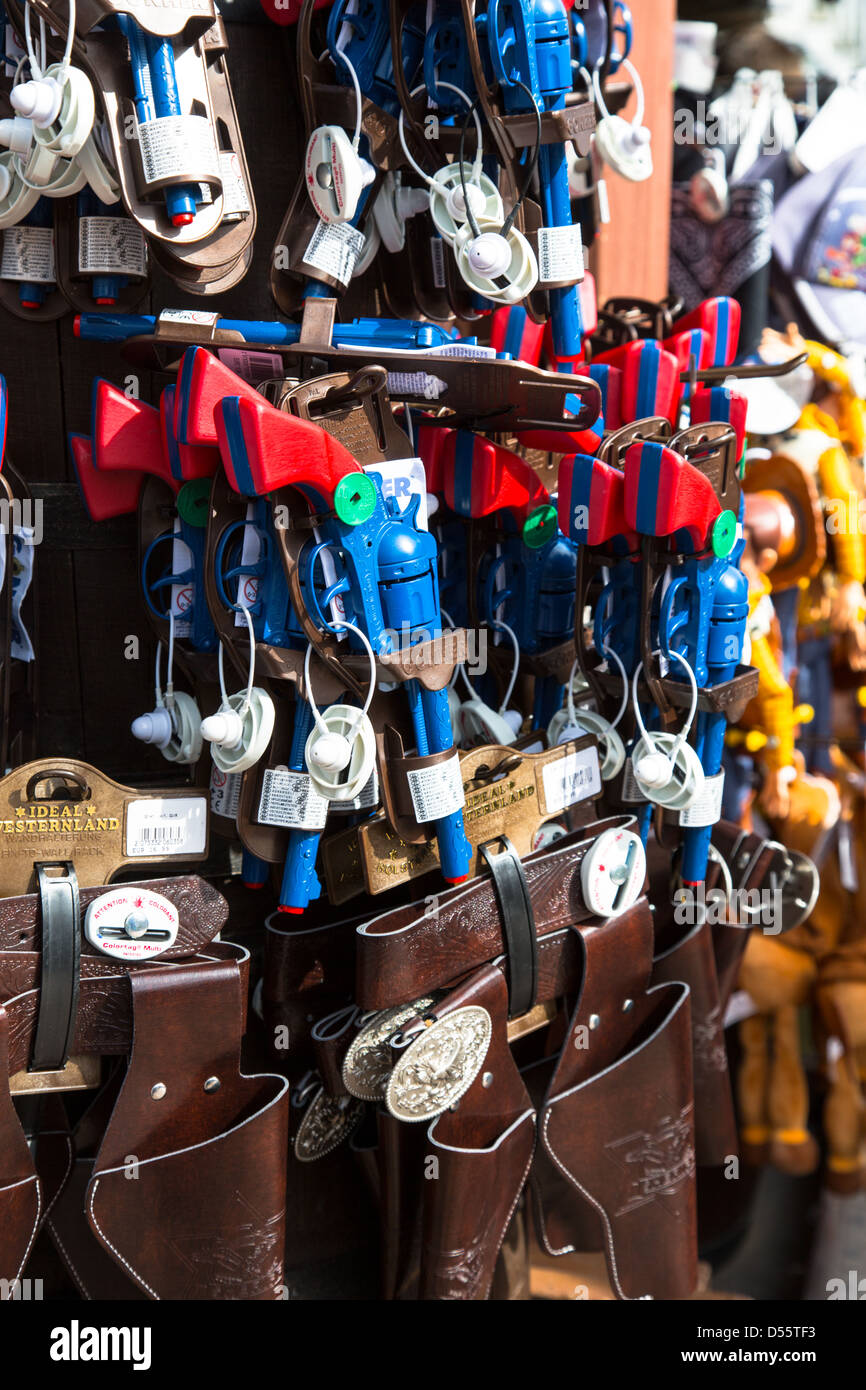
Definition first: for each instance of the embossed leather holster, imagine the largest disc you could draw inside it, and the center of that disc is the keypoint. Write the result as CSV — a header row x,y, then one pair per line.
x,y
185,1197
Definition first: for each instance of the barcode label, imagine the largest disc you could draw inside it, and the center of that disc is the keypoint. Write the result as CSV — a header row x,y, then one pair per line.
x,y
437,256
630,789
436,791
334,248
225,791
560,254
166,826
576,777
290,800
707,806
254,367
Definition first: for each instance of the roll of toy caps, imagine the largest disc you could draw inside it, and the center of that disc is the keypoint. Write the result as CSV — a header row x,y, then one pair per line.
x,y
786,515
819,242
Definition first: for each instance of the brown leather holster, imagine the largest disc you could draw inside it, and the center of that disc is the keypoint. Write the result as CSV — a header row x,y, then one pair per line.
x,y
617,1121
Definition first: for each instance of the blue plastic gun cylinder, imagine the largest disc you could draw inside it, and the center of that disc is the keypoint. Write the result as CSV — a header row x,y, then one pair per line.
x,y
300,884
726,633
566,321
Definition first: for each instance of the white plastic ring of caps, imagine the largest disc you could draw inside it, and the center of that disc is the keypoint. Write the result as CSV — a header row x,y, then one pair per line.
x,y
612,872
131,923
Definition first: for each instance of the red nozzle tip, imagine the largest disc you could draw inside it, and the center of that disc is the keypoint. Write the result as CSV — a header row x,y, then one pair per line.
x,y
253,886
106,301
76,326
461,879
182,219
296,910
29,304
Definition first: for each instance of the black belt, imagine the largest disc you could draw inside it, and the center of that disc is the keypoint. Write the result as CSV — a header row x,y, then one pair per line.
x,y
61,952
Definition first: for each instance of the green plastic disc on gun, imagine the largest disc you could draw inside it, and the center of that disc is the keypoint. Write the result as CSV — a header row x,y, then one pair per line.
x,y
193,502
355,498
723,536
539,526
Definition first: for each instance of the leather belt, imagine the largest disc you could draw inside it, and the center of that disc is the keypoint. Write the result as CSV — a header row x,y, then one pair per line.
x,y
58,982
518,922
423,946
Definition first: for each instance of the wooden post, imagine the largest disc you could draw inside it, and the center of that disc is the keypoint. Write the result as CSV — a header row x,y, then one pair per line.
x,y
630,255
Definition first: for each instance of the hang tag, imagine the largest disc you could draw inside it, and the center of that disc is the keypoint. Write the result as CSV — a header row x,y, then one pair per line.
x,y
182,595
404,479
28,255
334,248
158,826
437,260
706,809
225,791
436,791
251,550
252,366
111,246
236,203
630,790
416,384
170,143
290,801
199,318
560,254
573,778
131,923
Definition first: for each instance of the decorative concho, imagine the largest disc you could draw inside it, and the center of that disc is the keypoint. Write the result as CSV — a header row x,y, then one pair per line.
x,y
328,1121
367,1064
440,1065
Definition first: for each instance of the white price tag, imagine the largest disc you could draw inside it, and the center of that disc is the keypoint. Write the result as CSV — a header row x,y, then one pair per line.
x,y
334,248
236,204
404,479
416,384
225,792
111,246
289,800
199,318
166,825
171,143
576,777
436,791
366,800
630,789
254,367
707,807
560,254
28,255
182,595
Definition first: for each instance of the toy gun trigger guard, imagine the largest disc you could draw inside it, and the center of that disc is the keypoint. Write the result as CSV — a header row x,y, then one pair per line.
x,y
324,643
317,604
670,622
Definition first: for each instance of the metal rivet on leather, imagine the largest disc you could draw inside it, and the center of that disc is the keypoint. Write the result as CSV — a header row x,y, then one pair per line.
x,y
440,1065
594,1021
158,1091
487,1079
213,1083
627,1005
367,1064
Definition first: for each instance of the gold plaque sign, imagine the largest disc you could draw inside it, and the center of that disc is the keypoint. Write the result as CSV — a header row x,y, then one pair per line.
x,y
63,809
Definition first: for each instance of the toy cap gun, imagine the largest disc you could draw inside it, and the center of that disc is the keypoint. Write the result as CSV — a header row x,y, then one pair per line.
x,y
386,568
650,384
532,576
688,493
